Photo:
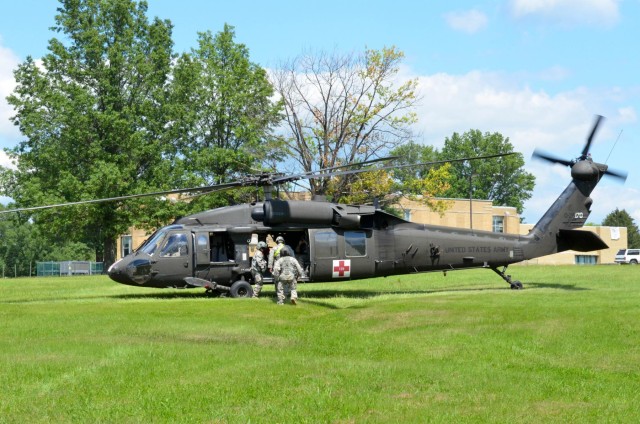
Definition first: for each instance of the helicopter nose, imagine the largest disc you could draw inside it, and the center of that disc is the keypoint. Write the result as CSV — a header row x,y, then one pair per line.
x,y
134,272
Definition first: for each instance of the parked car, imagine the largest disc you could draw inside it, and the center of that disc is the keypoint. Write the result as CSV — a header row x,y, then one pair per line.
x,y
628,256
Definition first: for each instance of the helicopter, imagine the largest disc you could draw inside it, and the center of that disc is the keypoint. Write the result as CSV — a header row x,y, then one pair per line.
x,y
213,249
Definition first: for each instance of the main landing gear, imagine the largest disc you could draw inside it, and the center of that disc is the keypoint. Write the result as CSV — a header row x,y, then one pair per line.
x,y
515,284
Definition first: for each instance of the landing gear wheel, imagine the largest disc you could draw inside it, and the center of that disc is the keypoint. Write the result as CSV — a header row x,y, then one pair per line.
x,y
514,284
241,288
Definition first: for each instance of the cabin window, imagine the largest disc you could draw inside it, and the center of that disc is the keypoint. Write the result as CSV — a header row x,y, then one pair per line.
x,y
498,224
326,244
126,243
176,245
202,240
355,243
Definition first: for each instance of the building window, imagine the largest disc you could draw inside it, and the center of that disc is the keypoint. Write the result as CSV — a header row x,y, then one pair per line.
x,y
586,260
407,214
126,244
498,224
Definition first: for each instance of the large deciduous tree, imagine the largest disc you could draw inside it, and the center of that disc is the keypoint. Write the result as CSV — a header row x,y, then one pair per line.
x,y
224,111
502,180
621,218
344,108
93,119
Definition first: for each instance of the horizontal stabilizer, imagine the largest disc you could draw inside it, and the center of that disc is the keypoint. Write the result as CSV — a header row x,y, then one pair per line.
x,y
579,240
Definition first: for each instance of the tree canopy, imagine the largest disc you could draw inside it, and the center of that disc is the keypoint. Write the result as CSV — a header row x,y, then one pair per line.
x,y
92,116
621,218
224,113
344,108
112,111
502,180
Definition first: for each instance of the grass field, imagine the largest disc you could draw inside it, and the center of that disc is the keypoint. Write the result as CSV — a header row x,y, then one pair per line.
x,y
421,348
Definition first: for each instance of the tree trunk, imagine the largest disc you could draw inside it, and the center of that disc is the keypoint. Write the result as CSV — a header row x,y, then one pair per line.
x,y
110,246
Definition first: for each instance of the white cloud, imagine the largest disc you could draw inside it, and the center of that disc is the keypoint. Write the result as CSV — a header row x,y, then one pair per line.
x,y
491,102
5,161
569,12
627,114
470,21
557,123
8,62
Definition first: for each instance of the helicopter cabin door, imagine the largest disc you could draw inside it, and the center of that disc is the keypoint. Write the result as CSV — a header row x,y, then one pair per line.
x,y
214,255
173,261
340,255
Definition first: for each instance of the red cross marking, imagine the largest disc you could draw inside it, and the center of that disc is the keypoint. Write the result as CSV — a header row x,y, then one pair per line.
x,y
341,268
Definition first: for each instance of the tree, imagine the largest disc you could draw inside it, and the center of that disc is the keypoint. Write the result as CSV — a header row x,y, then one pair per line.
x,y
502,180
412,153
621,218
344,108
223,111
93,116
22,245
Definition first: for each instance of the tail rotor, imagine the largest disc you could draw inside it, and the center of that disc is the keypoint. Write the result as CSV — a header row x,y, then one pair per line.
x,y
581,170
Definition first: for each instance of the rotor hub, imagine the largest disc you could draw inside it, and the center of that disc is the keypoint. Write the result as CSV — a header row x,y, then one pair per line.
x,y
585,170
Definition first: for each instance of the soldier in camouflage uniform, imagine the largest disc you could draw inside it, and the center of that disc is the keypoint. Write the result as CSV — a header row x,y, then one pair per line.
x,y
286,271
258,267
274,253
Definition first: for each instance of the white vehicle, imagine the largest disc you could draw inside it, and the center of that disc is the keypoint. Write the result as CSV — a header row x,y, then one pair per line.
x,y
628,256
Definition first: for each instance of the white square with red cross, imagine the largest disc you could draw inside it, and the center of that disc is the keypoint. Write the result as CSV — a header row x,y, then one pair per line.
x,y
341,268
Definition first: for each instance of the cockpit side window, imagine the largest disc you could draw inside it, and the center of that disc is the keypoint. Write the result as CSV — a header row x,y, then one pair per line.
x,y
175,245
149,246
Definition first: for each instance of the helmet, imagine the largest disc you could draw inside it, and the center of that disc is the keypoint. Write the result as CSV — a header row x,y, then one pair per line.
x,y
285,251
279,239
262,245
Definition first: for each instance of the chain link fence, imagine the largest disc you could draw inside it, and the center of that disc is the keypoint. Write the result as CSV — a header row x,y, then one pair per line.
x,y
44,269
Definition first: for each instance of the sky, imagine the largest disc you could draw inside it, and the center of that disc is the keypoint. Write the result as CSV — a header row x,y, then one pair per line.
x,y
536,71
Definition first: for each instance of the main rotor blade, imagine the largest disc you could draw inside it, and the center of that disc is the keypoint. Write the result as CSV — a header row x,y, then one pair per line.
x,y
208,189
322,172
357,171
539,154
587,146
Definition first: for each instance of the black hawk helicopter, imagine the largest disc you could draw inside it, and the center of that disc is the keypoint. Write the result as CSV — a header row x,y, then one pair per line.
x,y
213,249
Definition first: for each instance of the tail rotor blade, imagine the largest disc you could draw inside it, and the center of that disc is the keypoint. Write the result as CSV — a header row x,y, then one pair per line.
x,y
539,154
587,146
617,174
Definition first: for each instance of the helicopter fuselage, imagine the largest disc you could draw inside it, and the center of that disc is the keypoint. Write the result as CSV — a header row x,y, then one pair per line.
x,y
217,245
213,249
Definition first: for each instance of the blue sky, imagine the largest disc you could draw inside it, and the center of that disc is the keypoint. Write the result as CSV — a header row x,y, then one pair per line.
x,y
536,71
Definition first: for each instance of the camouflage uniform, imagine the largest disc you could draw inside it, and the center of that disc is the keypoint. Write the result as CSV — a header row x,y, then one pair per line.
x,y
258,268
283,264
274,253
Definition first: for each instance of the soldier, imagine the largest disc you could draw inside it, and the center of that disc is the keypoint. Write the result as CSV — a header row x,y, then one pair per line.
x,y
286,271
274,253
258,267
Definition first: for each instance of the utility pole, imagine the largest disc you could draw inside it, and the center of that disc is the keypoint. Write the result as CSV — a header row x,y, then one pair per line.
x,y
470,197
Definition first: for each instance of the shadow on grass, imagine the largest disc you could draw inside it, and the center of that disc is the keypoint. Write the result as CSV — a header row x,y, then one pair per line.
x,y
313,296
557,286
163,296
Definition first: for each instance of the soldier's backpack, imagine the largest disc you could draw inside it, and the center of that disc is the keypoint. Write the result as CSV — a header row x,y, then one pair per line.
x,y
288,272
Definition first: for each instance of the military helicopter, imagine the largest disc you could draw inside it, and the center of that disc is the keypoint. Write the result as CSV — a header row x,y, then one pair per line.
x,y
213,249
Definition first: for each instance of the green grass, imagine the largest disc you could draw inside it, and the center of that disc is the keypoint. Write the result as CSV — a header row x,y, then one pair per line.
x,y
421,348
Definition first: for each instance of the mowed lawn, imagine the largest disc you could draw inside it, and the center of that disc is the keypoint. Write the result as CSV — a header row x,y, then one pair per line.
x,y
418,348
